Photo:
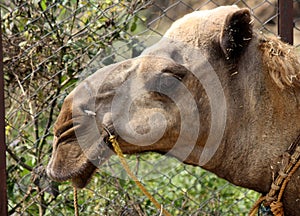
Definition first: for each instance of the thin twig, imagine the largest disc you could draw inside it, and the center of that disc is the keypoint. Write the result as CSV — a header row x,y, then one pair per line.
x,y
18,160
28,193
73,19
50,23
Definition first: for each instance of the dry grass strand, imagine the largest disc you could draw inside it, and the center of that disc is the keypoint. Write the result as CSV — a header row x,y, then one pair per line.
x,y
281,61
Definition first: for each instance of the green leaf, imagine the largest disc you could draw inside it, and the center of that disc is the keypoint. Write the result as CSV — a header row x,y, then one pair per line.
x,y
43,5
62,13
133,27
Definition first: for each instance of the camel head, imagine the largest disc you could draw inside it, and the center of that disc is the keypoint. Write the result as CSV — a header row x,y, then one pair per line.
x,y
112,98
212,93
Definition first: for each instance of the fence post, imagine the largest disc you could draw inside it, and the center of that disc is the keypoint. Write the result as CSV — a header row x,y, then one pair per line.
x,y
285,20
3,187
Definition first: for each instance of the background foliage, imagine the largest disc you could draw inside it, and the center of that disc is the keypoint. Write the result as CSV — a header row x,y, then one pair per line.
x,y
48,46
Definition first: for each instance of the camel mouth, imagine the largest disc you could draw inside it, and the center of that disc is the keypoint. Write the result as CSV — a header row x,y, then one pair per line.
x,y
77,149
79,178
83,176
80,167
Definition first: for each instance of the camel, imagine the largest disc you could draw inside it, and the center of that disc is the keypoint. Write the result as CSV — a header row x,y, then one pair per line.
x,y
212,93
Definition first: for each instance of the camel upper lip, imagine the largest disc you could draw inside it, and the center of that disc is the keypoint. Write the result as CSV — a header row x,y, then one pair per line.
x,y
94,155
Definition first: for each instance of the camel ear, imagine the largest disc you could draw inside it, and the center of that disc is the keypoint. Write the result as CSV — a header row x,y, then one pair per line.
x,y
236,33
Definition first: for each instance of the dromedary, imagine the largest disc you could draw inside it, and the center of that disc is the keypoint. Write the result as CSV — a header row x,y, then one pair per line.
x,y
212,93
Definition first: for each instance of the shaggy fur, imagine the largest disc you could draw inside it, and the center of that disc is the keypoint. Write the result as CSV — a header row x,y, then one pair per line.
x,y
281,61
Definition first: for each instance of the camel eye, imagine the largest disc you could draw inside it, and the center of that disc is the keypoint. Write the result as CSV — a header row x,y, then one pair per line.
x,y
163,83
168,82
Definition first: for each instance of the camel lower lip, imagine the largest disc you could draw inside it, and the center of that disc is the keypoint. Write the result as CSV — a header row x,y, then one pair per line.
x,y
81,180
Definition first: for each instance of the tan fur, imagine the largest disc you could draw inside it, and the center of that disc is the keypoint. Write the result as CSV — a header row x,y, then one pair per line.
x,y
259,76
